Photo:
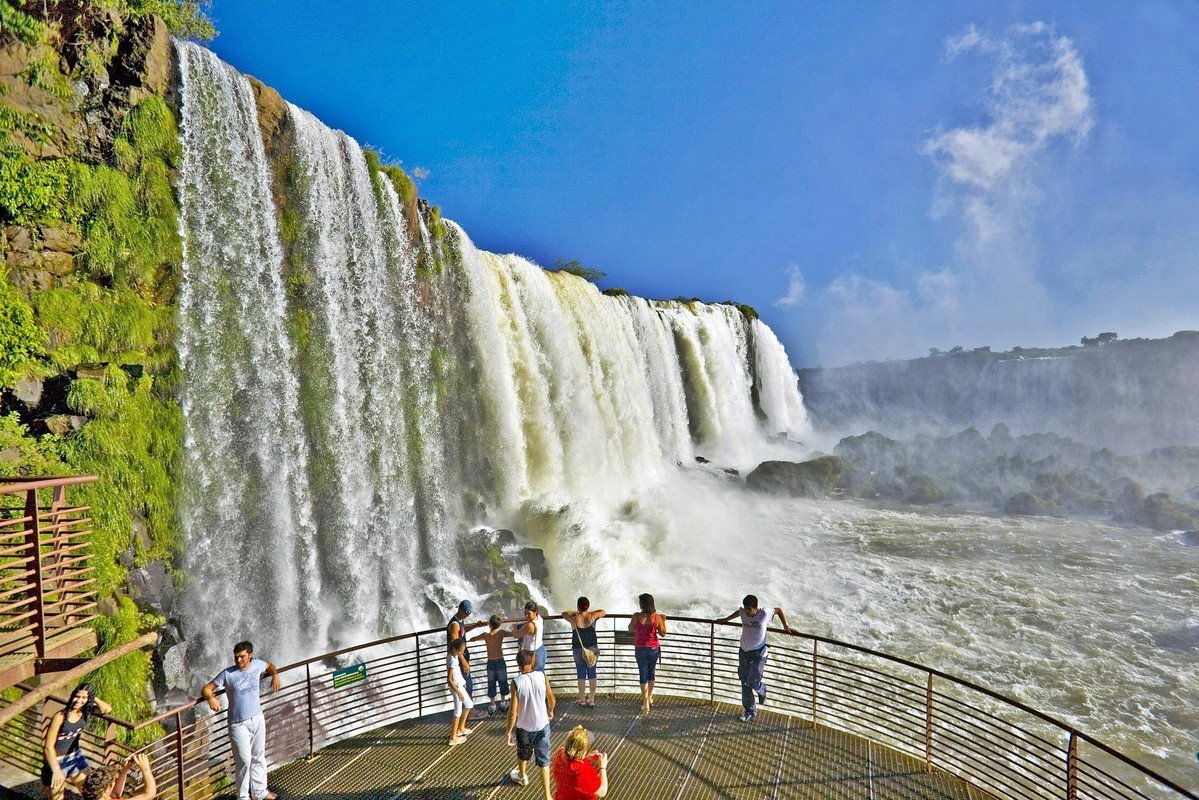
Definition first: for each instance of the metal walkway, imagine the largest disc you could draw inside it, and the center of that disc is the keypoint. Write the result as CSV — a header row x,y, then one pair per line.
x,y
684,749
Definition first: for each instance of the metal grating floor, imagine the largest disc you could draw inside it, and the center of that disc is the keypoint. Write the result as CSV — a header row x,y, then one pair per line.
x,y
684,749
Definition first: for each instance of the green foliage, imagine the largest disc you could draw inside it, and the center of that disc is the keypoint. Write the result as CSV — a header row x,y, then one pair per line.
x,y
575,268
41,71
614,292
20,25
185,18
88,323
129,214
114,679
35,190
20,339
135,447
437,227
22,454
404,185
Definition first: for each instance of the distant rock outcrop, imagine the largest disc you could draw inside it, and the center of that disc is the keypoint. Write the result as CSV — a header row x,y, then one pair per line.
x,y
814,478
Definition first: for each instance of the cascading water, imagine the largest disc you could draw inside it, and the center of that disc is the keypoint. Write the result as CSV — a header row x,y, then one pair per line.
x,y
359,393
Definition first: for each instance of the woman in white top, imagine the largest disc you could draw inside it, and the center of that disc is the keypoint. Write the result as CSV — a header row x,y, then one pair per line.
x,y
531,636
462,700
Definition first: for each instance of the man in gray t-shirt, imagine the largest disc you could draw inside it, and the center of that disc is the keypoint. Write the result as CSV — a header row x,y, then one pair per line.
x,y
247,729
751,656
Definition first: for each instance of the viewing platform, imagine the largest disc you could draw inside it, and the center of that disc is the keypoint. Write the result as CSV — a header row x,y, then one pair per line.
x,y
47,589
841,721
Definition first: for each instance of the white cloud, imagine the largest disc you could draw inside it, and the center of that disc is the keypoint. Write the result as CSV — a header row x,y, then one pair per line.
x,y
989,290
795,290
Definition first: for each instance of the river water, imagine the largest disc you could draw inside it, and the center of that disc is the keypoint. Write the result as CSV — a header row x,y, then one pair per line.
x,y
1095,624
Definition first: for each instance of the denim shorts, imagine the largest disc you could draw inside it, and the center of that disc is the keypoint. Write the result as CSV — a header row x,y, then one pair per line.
x,y
530,743
497,678
582,671
647,663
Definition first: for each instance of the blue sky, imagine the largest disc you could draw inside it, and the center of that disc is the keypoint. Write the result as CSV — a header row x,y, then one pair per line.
x,y
876,179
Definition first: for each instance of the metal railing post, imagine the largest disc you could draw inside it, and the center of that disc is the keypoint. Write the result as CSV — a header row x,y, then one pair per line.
x,y
33,541
1072,767
712,662
815,650
420,691
928,726
179,750
311,712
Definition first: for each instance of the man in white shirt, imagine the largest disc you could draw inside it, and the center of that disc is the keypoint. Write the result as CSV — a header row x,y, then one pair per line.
x,y
529,721
751,657
247,729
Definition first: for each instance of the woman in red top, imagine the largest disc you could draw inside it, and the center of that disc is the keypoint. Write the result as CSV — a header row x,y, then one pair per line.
x,y
579,774
647,625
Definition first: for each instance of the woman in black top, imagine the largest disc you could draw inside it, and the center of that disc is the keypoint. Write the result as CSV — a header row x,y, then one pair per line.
x,y
583,622
64,762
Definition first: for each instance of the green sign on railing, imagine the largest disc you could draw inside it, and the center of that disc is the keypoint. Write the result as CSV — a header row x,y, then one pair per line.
x,y
349,675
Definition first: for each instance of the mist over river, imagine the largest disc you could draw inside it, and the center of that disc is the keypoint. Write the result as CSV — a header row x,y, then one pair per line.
x,y
1094,624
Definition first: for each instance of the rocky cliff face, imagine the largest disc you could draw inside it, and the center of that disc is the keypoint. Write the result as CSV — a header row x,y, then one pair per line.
x,y
91,255
1130,395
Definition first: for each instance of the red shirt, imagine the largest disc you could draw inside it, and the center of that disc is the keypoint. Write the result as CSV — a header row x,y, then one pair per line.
x,y
646,634
574,779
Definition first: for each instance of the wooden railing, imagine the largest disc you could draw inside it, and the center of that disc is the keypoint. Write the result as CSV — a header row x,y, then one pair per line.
x,y
1001,747
46,580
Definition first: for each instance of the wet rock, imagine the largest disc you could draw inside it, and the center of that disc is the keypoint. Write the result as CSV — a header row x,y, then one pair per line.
x,y
533,559
31,280
10,454
28,391
18,238
171,666
1025,504
1191,538
107,606
141,533
127,557
56,263
59,424
97,372
151,587
814,478
701,460
61,239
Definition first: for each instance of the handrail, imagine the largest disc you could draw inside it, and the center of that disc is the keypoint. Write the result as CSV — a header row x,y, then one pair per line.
x,y
21,483
814,683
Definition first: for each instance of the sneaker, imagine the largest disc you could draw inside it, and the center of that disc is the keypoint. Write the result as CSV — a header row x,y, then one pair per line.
x,y
747,716
762,695
491,709
517,778
504,705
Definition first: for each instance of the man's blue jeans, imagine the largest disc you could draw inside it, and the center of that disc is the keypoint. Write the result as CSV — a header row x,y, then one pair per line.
x,y
751,669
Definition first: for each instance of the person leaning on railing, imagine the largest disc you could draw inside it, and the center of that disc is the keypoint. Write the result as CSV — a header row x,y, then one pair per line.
x,y
579,772
751,657
584,647
647,625
64,762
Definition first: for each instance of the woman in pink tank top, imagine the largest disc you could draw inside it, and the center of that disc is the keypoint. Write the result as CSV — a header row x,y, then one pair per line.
x,y
647,626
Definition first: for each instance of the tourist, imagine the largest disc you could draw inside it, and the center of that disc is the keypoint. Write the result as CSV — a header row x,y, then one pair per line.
x,y
247,728
63,758
108,782
456,628
583,622
647,625
529,721
531,635
497,668
462,700
579,772
751,658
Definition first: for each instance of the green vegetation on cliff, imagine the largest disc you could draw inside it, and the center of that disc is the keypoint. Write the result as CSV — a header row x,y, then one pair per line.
x,y
92,257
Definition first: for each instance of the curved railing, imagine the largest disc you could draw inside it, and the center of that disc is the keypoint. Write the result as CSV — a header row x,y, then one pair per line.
x,y
1000,746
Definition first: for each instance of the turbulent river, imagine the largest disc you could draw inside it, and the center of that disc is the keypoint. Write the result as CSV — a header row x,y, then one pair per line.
x,y
1095,624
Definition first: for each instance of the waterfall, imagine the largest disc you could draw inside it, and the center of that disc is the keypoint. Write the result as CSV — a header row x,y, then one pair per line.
x,y
361,388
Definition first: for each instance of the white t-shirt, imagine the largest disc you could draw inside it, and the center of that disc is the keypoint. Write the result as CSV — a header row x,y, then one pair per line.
x,y
753,629
531,641
531,713
241,687
455,667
